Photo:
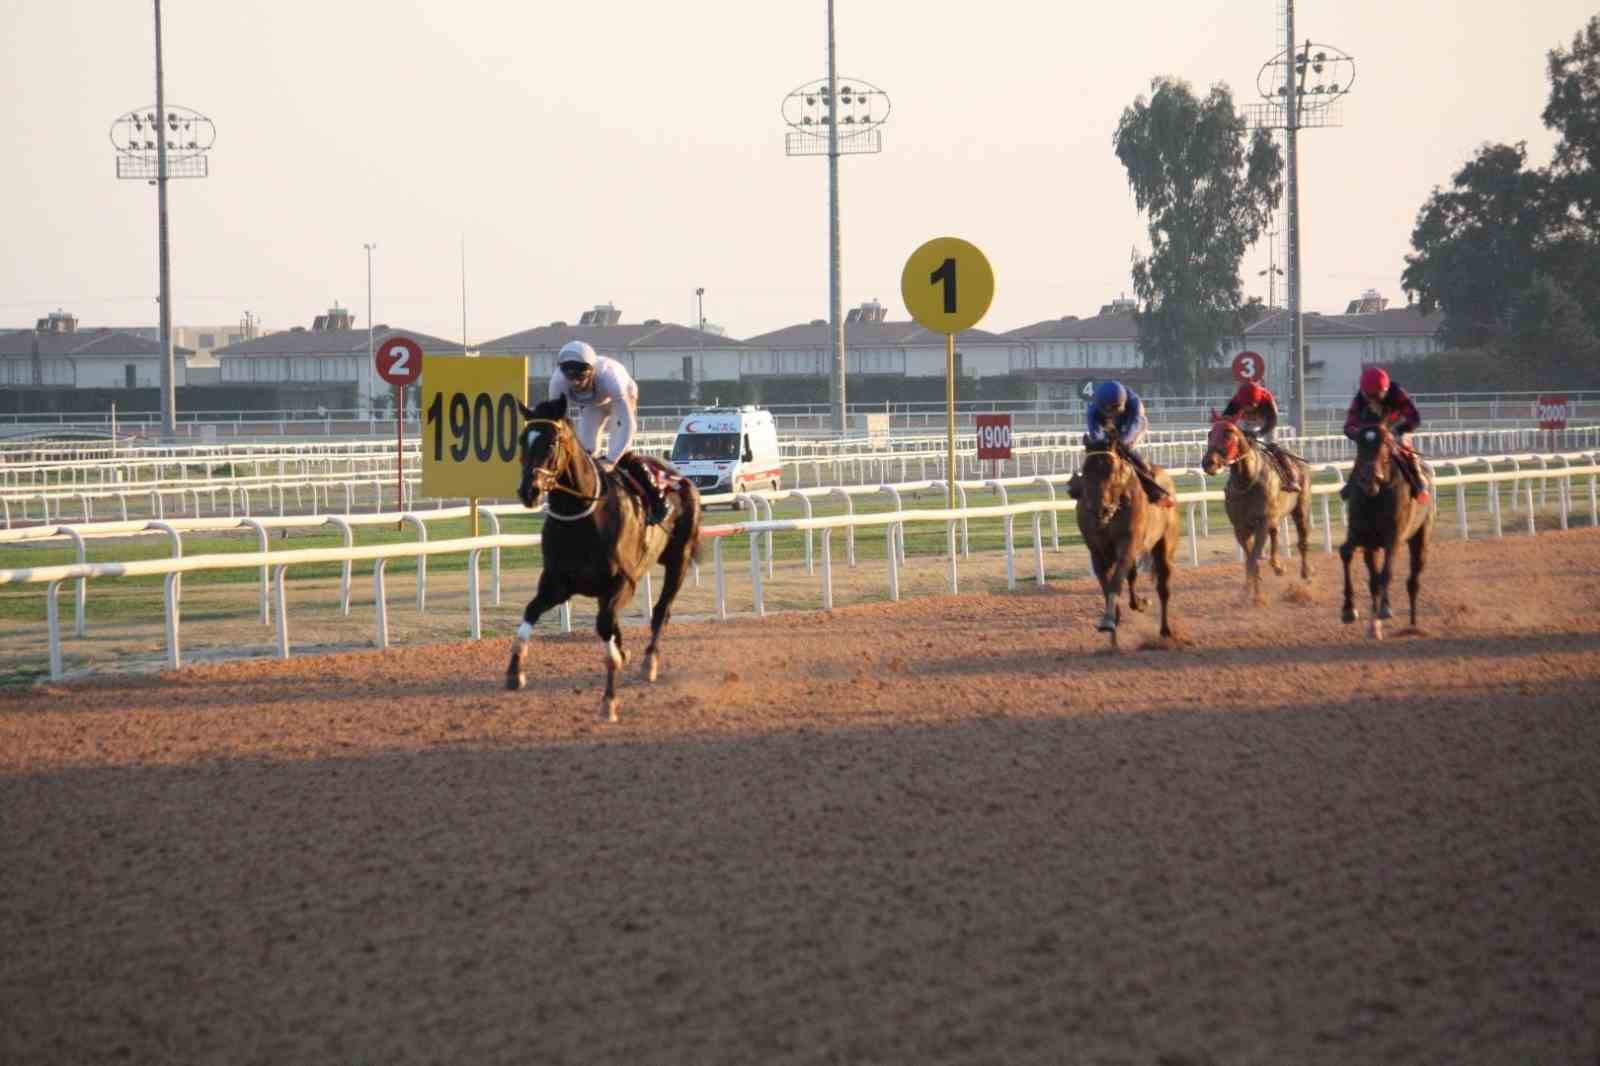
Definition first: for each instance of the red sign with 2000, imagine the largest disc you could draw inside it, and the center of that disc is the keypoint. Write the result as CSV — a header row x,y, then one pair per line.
x,y
994,436
1552,412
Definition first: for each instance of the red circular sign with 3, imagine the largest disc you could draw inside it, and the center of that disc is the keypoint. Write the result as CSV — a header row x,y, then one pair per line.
x,y
399,360
1249,366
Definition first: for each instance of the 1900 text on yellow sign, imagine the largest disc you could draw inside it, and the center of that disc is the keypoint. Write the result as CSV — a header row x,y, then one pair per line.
x,y
470,425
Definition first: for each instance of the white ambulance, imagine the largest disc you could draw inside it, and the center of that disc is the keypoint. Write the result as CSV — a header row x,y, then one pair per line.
x,y
729,449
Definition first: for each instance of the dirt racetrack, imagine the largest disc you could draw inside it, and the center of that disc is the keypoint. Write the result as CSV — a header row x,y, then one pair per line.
x,y
953,830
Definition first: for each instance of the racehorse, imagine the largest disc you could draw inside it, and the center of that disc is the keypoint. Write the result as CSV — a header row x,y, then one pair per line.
x,y
1255,499
596,542
1119,523
1383,513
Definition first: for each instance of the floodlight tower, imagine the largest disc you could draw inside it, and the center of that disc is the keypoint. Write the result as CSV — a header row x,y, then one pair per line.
x,y
1301,88
815,112
153,145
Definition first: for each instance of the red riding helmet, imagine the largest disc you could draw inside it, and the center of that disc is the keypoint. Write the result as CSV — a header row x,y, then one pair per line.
x,y
1252,395
1374,382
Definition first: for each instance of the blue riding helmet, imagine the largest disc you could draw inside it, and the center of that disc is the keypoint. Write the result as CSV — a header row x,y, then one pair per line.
x,y
1110,396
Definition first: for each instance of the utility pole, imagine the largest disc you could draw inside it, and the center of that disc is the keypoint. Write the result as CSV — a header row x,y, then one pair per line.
x,y
864,108
371,390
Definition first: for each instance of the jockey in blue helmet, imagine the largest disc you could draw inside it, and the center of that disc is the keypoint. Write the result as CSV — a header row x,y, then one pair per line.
x,y
1116,412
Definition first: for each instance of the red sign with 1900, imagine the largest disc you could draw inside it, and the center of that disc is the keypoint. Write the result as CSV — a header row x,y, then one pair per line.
x,y
994,436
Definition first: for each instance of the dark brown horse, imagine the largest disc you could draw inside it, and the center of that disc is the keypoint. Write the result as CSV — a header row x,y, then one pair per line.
x,y
1383,513
1119,523
1256,500
596,542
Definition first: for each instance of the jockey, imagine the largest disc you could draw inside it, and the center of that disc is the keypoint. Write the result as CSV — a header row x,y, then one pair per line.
x,y
1380,402
1117,412
602,392
1256,404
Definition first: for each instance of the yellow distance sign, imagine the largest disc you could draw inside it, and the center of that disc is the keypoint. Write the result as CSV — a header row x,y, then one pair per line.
x,y
471,425
947,285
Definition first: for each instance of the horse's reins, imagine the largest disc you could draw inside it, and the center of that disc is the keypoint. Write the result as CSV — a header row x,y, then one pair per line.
x,y
548,480
1231,462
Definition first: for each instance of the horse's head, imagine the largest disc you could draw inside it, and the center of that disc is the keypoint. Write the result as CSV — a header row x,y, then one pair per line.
x,y
1374,459
1225,445
1105,476
546,449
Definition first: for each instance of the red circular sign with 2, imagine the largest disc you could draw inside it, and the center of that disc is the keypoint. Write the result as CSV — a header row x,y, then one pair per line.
x,y
399,360
1249,366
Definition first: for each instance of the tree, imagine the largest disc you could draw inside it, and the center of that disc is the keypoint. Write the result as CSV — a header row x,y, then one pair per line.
x,y
1208,189
1573,112
1478,244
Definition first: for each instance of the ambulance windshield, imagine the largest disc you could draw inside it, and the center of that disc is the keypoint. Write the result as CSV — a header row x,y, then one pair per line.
x,y
706,447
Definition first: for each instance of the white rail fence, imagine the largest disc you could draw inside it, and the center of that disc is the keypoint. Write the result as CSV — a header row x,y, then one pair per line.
x,y
822,463
274,565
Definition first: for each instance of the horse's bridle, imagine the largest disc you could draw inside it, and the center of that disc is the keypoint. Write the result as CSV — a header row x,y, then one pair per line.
x,y
1235,453
1112,458
547,479
1384,444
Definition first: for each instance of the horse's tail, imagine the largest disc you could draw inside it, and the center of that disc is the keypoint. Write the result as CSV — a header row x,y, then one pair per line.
x,y
690,531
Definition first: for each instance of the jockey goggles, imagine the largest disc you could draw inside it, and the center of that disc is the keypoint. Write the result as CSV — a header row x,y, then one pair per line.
x,y
575,371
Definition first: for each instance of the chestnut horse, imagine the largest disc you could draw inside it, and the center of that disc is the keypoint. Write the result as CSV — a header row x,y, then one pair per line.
x,y
1382,514
1119,523
596,542
1256,501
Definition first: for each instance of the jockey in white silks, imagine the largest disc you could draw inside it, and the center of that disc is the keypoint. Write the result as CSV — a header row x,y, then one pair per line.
x,y
605,396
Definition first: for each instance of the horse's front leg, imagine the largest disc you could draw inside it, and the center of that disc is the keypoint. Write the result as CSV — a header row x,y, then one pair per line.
x,y
1272,535
610,633
1302,530
1385,575
1375,592
551,593
1252,565
1135,601
1346,551
1112,584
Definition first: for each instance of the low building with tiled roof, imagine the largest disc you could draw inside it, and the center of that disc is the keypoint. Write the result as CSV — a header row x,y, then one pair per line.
x,y
1339,346
331,354
651,350
1069,354
58,353
875,347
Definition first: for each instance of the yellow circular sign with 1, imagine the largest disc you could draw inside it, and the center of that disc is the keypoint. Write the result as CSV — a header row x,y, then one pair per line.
x,y
947,284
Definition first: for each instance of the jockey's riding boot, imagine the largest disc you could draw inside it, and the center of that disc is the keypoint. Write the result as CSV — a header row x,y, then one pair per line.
x,y
1158,495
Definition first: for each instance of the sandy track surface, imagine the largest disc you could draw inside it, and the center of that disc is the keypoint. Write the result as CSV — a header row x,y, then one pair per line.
x,y
954,830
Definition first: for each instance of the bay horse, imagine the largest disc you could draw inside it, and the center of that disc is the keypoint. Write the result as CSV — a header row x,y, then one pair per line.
x,y
596,542
1256,501
1383,513
1118,524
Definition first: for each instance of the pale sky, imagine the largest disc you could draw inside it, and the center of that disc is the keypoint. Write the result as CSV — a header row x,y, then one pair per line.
x,y
630,151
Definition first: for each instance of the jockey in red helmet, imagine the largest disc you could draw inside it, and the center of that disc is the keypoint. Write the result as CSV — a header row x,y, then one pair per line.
x,y
1256,404
1380,402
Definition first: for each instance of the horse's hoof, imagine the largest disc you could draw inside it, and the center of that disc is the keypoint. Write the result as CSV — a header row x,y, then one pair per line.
x,y
1277,568
608,709
1375,629
1138,603
1384,612
652,663
1350,614
1106,625
515,682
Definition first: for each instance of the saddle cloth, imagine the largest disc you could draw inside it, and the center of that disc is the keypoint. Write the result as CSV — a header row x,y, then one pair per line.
x,y
665,480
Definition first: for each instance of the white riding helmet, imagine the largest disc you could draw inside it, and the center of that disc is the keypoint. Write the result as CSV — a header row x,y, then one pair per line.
x,y
577,352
